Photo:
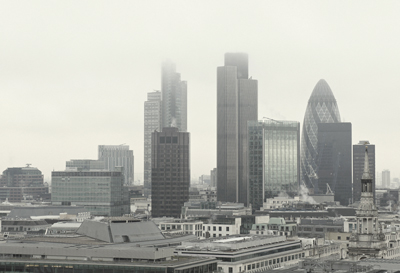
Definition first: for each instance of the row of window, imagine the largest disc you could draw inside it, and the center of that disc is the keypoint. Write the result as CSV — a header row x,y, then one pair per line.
x,y
272,262
215,228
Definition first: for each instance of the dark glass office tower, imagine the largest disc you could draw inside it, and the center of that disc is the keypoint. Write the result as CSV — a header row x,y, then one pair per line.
x,y
358,166
274,159
236,104
170,172
321,108
334,161
174,98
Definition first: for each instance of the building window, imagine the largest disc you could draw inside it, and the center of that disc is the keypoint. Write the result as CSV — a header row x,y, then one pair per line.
x,y
339,238
227,228
230,270
220,228
214,228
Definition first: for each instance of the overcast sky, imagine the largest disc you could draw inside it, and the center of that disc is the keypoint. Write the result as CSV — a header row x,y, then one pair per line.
x,y
75,74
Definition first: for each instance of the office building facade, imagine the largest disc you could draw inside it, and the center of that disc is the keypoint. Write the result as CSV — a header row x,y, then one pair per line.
x,y
174,98
115,156
170,172
358,167
85,164
152,122
321,108
274,159
334,161
237,97
386,179
17,184
101,192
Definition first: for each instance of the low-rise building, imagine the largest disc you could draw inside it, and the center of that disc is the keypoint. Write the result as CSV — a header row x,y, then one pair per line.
x,y
222,226
316,227
23,225
182,226
201,208
112,245
255,253
276,226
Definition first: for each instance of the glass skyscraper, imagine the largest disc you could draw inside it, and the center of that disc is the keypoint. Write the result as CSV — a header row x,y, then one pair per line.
x,y
174,98
274,159
237,97
321,108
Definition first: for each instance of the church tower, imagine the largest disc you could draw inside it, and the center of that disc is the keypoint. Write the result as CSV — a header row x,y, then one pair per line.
x,y
367,240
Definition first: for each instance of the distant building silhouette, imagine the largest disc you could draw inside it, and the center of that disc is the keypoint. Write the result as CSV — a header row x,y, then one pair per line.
x,y
236,105
174,98
17,184
213,177
170,172
115,156
274,160
358,166
386,179
85,164
152,122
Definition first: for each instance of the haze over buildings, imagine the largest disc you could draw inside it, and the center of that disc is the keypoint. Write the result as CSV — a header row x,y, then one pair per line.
x,y
80,76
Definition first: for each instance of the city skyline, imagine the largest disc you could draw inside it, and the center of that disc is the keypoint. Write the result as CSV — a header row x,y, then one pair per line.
x,y
82,79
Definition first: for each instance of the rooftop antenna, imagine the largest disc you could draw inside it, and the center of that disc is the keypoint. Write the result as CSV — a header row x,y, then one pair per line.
x,y
28,165
273,120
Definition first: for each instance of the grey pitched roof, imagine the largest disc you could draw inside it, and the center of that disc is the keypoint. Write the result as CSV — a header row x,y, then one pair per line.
x,y
120,232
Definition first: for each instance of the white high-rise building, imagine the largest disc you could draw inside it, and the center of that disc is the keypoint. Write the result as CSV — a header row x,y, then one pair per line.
x,y
386,179
152,122
118,156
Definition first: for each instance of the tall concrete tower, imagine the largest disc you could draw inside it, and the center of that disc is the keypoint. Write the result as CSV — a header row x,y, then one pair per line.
x,y
174,98
237,97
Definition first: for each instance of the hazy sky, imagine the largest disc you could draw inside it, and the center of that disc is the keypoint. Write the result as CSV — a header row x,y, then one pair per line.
x,y
75,74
